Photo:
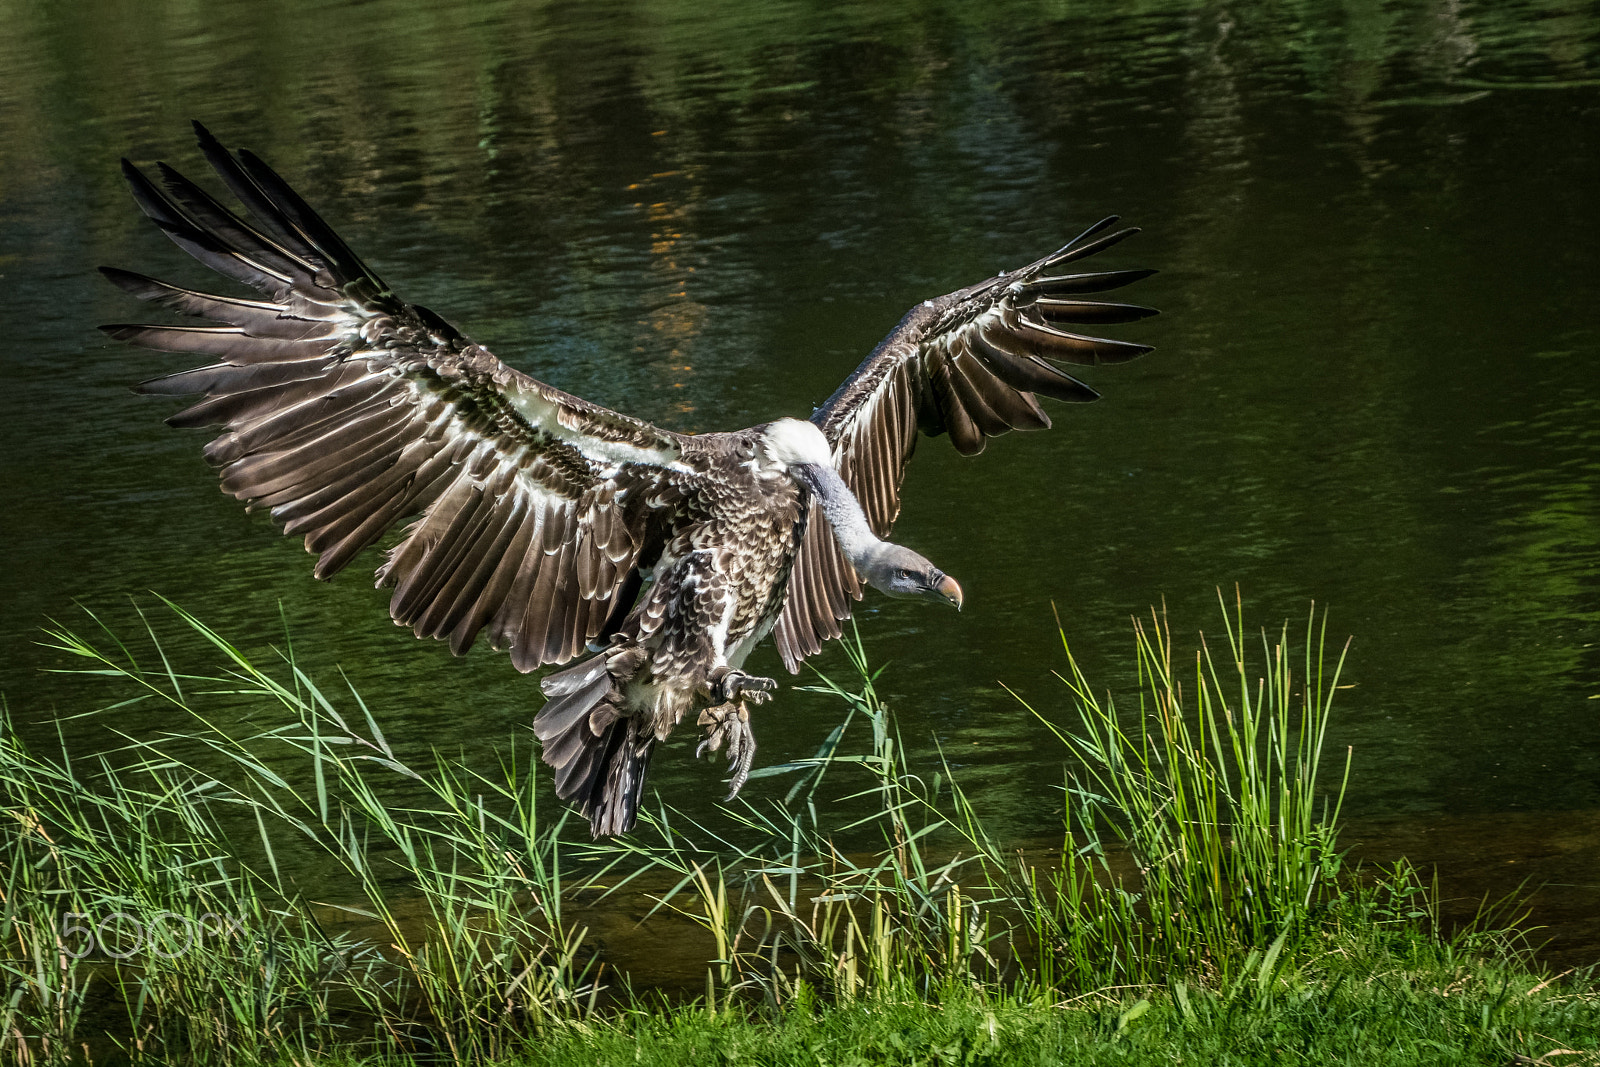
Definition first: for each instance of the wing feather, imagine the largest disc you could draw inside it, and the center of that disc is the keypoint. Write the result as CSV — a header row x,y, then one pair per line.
x,y
496,590
970,365
348,412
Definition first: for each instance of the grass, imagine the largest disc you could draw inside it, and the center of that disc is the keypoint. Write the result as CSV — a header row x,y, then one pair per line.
x,y
218,894
1387,1006
1212,791
436,928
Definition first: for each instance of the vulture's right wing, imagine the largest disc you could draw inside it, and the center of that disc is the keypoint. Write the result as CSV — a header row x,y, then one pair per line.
x,y
347,411
968,364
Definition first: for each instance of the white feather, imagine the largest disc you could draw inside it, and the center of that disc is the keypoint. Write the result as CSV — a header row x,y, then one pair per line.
x,y
736,654
546,416
793,443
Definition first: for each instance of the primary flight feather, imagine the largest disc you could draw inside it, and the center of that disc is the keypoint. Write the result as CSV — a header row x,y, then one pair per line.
x,y
556,526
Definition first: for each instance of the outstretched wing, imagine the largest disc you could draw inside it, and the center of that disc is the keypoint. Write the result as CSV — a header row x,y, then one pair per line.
x,y
969,364
346,411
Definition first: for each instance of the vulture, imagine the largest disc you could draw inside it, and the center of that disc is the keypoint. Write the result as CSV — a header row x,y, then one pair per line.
x,y
560,528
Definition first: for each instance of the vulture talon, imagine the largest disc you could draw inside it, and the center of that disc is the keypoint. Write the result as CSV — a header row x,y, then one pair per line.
x,y
741,767
730,685
730,723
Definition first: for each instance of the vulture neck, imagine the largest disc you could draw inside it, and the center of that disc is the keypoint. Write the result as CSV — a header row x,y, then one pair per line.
x,y
839,504
801,449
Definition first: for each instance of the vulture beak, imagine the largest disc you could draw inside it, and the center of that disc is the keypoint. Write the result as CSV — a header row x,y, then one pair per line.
x,y
948,589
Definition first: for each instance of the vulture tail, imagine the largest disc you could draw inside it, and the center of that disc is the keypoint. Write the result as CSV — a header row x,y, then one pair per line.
x,y
599,751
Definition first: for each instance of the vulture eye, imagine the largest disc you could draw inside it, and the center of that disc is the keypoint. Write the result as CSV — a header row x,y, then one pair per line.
x,y
903,573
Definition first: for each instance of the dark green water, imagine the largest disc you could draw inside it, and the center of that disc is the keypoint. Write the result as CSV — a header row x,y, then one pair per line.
x,y
1375,386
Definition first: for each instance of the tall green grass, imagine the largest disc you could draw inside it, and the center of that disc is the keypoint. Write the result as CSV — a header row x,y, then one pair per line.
x,y
303,890
1211,790
798,906
1199,841
434,927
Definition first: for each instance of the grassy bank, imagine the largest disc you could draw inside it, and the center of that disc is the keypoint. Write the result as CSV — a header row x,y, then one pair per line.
x,y
1382,1008
230,895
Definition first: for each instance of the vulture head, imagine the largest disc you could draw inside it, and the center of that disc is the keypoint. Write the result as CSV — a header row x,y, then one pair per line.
x,y
800,448
899,572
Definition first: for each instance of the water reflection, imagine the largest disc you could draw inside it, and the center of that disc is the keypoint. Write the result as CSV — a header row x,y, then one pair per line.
x,y
1374,383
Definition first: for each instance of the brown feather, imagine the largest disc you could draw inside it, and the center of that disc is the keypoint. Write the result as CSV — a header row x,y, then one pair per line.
x,y
336,555
467,567
332,523
293,426
1077,284
240,409
407,568
535,626
232,378
223,224
1004,402
1021,370
1075,251
1090,311
508,627
260,476
326,445
450,560
229,341
495,591
434,569
973,404
963,433
334,506
564,604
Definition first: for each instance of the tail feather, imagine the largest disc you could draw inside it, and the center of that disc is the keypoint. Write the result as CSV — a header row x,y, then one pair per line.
x,y
572,693
599,753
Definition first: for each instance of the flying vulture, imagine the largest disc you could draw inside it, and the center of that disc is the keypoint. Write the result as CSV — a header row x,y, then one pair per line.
x,y
559,527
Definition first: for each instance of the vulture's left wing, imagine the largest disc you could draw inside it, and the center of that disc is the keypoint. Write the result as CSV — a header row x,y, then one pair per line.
x,y
969,364
346,411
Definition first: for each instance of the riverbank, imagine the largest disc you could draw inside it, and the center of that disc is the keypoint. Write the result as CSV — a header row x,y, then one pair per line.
x,y
1375,1010
270,880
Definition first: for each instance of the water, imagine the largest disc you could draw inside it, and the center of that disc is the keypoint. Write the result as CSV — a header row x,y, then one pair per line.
x,y
1375,381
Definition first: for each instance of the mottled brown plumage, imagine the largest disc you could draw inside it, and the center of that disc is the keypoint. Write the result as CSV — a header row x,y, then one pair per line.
x,y
557,526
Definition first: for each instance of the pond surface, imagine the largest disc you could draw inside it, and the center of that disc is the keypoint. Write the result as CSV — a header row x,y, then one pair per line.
x,y
1375,385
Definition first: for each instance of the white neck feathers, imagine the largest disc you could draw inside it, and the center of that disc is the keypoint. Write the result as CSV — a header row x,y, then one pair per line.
x,y
791,443
802,450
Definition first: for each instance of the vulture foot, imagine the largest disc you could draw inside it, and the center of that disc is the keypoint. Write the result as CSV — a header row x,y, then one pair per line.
x,y
730,686
730,723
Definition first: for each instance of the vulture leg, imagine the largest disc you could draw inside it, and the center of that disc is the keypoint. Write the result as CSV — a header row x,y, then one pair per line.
x,y
729,685
730,723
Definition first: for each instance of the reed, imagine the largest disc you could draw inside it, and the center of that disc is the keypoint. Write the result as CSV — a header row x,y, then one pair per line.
x,y
1199,843
794,910
1211,791
151,881
234,895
